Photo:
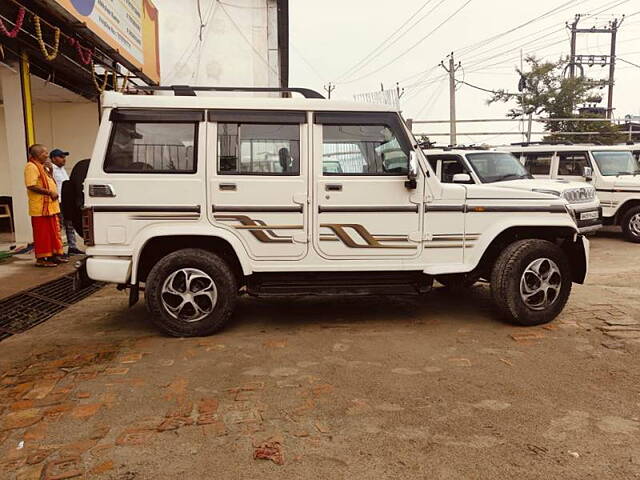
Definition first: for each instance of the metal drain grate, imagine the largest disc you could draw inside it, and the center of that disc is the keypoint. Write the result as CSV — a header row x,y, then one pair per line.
x,y
25,310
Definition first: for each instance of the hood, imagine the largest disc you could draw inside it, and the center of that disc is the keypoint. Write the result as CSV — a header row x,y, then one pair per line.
x,y
543,184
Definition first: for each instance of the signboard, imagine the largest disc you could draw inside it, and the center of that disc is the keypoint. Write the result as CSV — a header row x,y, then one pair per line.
x,y
129,26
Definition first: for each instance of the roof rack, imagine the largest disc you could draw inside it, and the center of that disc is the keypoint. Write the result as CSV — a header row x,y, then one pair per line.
x,y
447,148
190,91
526,144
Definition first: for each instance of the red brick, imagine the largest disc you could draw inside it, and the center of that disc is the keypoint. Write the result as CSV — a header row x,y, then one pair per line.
x,y
61,469
131,358
36,433
86,411
77,448
207,419
208,405
11,465
39,456
99,432
21,419
83,395
269,451
30,472
55,413
41,390
174,423
176,389
134,437
102,468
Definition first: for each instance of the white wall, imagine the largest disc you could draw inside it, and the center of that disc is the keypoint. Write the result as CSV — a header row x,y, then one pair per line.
x,y
239,44
68,126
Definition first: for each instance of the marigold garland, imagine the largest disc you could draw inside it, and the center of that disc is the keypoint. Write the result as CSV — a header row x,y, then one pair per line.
x,y
43,47
17,25
100,88
85,54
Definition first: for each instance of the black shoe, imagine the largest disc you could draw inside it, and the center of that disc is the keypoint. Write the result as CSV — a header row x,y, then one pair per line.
x,y
58,259
74,251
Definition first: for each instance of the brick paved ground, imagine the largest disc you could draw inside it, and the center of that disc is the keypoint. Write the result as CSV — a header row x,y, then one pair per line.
x,y
369,388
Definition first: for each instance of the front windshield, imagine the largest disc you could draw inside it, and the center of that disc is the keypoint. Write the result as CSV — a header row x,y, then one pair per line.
x,y
616,163
497,167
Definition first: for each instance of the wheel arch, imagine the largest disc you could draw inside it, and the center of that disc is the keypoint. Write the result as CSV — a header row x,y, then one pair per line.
x,y
624,208
563,236
156,247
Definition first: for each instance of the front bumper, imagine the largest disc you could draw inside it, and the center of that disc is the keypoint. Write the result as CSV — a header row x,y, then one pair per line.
x,y
589,220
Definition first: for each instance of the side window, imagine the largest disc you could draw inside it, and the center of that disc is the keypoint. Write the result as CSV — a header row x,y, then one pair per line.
x,y
572,163
362,150
258,149
147,147
538,163
451,167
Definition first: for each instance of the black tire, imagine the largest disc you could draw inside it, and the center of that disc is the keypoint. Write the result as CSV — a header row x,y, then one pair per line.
x,y
192,259
630,226
459,281
508,272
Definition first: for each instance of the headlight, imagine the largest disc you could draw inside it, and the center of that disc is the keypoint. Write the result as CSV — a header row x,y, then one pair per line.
x,y
580,195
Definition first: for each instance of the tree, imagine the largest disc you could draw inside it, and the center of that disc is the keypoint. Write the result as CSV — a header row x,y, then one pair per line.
x,y
546,90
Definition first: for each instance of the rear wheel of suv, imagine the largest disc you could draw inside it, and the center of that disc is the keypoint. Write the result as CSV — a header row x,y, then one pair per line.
x,y
531,282
190,293
631,225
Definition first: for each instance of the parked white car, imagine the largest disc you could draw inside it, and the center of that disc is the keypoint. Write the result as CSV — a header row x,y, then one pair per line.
x,y
612,170
196,200
501,169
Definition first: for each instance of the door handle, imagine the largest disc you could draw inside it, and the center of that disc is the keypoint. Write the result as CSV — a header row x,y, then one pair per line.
x,y
228,187
333,187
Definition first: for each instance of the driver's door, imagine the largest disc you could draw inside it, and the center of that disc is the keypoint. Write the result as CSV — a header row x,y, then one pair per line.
x,y
362,207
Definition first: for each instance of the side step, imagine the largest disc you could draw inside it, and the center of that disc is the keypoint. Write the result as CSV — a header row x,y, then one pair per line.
x,y
338,283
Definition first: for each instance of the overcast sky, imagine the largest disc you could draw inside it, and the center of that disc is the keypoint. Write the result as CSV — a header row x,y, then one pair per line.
x,y
331,37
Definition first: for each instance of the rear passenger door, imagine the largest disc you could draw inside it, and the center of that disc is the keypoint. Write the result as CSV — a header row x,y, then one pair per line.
x,y
539,164
257,180
362,207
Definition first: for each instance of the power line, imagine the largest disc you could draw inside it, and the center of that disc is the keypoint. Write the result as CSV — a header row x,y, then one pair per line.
x,y
408,50
371,55
627,61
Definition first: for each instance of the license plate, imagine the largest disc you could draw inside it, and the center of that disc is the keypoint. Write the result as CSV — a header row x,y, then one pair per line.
x,y
588,215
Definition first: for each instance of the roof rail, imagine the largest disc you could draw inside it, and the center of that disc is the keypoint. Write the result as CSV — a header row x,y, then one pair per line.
x,y
190,91
434,146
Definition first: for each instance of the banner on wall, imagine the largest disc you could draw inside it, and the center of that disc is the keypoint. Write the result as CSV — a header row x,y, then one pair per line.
x,y
130,26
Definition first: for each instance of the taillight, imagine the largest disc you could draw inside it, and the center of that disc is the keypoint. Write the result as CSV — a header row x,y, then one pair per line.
x,y
87,226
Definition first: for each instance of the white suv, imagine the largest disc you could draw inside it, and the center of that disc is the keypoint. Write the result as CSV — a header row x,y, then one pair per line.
x,y
501,169
199,199
612,170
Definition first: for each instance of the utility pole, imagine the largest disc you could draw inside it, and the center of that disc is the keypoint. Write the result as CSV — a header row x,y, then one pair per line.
x,y
329,88
612,65
451,70
580,61
574,38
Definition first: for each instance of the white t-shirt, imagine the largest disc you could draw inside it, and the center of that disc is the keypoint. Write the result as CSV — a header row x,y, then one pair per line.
x,y
59,175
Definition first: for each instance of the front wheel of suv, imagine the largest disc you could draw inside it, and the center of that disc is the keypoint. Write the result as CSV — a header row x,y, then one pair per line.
x,y
531,282
190,293
631,225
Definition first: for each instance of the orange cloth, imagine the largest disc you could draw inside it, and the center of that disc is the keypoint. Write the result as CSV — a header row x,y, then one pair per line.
x,y
46,236
40,205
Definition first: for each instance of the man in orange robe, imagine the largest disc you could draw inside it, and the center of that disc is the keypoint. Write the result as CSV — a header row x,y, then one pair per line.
x,y
43,208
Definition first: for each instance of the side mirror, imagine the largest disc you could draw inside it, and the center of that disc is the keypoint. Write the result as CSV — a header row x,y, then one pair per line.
x,y
587,173
461,178
411,183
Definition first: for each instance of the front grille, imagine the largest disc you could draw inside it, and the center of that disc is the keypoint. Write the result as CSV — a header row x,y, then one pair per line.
x,y
29,308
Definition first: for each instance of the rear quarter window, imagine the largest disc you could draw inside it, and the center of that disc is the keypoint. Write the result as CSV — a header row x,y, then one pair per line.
x,y
150,147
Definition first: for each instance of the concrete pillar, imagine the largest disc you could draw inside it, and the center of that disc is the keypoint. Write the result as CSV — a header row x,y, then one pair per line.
x,y
16,151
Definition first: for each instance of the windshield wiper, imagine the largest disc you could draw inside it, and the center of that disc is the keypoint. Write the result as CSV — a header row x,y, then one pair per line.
x,y
511,176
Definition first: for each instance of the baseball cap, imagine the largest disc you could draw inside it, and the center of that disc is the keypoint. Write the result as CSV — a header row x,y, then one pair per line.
x,y
56,152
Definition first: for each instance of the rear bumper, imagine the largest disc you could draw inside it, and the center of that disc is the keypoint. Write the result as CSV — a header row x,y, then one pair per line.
x,y
109,269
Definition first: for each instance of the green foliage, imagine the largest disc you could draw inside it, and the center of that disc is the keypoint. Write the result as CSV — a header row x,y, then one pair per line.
x,y
547,91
